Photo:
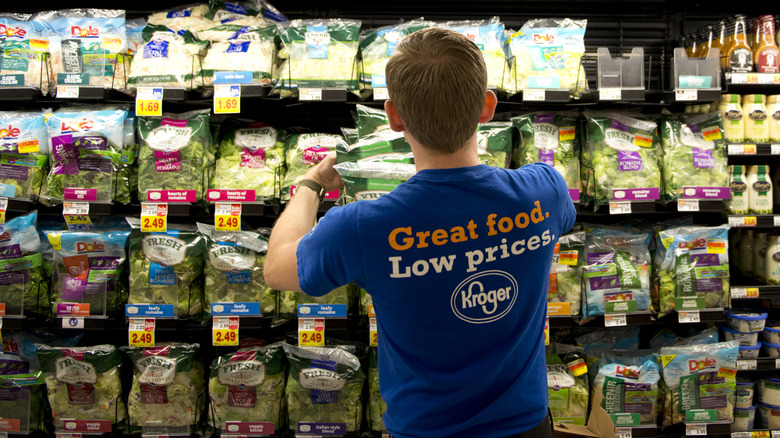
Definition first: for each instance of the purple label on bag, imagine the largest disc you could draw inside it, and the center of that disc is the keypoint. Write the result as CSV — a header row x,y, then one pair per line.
x,y
702,158
596,258
704,259
601,283
79,194
11,367
72,288
619,126
19,173
706,192
173,122
167,162
94,163
253,159
92,143
65,155
629,161
10,252
648,194
547,156
103,263
544,118
709,285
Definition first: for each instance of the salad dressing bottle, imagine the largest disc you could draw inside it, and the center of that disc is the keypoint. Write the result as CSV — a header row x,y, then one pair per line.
x,y
760,198
755,115
739,203
728,41
740,55
765,53
772,260
746,253
773,117
731,114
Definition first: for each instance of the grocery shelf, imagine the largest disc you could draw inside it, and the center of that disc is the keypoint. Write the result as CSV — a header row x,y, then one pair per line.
x,y
754,292
759,364
753,220
608,95
20,94
752,149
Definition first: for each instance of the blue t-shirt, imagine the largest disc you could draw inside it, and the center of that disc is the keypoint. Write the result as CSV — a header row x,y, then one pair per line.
x,y
457,263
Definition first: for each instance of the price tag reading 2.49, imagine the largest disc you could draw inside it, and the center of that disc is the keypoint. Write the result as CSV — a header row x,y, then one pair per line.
x,y
225,331
227,217
311,332
154,218
141,332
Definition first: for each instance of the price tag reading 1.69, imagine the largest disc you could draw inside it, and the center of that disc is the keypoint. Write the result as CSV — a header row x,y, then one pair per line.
x,y
227,217
154,218
148,101
141,332
227,99
311,332
225,331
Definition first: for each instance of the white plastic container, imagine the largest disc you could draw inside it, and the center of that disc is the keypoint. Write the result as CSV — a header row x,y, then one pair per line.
x,y
770,415
744,418
749,352
745,321
740,195
769,391
745,393
771,350
745,339
746,253
771,332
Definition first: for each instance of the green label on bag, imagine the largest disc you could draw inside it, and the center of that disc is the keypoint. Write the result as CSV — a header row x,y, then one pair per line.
x,y
694,303
72,78
11,80
622,420
701,416
620,306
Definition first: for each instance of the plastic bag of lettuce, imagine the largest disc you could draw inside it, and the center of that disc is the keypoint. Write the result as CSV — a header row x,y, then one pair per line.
x,y
384,145
371,179
246,390
23,289
324,389
376,406
565,284
21,395
630,392
23,154
303,151
567,384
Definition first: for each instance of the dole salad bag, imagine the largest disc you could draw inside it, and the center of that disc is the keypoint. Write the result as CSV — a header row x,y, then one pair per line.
x,y
25,46
24,148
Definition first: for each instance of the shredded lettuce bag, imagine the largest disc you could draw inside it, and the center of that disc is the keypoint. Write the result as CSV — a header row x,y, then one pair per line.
x,y
229,12
551,138
565,284
371,179
547,53
84,386
246,389
87,45
165,268
247,50
630,392
319,53
234,270
167,59
376,406
24,51
695,162
303,151
616,269
624,154
187,18
173,154
23,289
251,157
324,390
384,146
695,271
86,144
488,35
168,392
567,384
701,381
87,266
24,147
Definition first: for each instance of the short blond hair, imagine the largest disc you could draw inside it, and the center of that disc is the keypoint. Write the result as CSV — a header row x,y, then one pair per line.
x,y
437,81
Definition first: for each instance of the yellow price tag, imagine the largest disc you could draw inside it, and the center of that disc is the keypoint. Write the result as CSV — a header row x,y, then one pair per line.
x,y
568,258
713,133
643,141
28,145
373,336
227,217
727,372
225,331
154,218
140,332
566,133
750,221
227,99
716,247
3,208
76,215
148,101
578,367
748,149
311,332
751,292
546,330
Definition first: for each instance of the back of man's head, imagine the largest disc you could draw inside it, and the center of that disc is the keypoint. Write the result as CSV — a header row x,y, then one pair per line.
x,y
437,81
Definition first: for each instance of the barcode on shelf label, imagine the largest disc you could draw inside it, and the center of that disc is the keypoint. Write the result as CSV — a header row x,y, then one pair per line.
x,y
619,208
615,320
689,316
775,149
609,94
381,94
533,94
623,432
735,221
735,149
777,364
688,205
740,435
747,364
776,434
695,430
310,94
67,92
776,221
686,94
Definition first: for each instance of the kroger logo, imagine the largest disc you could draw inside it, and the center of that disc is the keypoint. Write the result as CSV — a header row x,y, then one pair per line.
x,y
484,297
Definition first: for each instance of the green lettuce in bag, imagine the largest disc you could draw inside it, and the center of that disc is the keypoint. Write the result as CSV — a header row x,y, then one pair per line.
x,y
386,145
371,179
303,151
23,289
494,143
376,406
23,153
370,120
567,384
565,284
630,392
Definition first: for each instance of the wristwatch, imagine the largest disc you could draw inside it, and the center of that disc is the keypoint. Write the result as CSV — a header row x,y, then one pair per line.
x,y
314,186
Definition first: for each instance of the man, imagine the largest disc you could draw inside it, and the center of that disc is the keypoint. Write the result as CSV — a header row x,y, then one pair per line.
x,y
456,259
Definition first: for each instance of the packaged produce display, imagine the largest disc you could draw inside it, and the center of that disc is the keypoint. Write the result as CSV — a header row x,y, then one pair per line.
x,y
25,52
167,59
24,150
301,152
565,285
246,50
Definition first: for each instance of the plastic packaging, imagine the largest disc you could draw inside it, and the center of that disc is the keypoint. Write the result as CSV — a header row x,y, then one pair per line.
x,y
565,285
744,339
23,289
771,332
376,406
745,393
770,415
371,179
24,147
745,320
247,50
167,59
184,18
759,186
756,118
749,351
740,192
567,384
744,418
771,350
773,118
769,390
303,151
730,110
630,389
25,51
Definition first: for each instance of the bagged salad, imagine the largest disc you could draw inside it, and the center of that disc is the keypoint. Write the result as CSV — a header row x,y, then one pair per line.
x,y
83,385
88,46
695,271
235,12
21,395
24,147
371,179
376,406
567,384
169,389
695,162
246,390
702,379
24,49
547,53
165,268
565,287
381,146
234,270
370,120
624,154
551,138
488,35
23,289
251,157
303,151
630,392
167,59
318,53
87,266
494,143
184,18
246,50
86,144
173,155
324,386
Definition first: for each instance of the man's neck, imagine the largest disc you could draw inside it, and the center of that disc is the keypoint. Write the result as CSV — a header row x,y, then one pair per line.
x,y
425,158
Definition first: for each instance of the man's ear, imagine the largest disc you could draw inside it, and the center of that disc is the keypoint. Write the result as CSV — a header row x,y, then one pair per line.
x,y
488,109
395,120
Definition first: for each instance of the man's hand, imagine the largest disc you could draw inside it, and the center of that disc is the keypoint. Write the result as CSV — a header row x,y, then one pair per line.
x,y
325,175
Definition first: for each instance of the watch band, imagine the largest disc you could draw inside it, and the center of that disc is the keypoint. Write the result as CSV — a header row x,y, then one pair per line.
x,y
318,189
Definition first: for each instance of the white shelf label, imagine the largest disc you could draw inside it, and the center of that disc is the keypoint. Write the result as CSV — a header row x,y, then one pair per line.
x,y
695,430
67,92
619,208
776,220
310,94
610,94
381,94
747,364
775,149
776,434
735,149
73,322
689,316
740,435
688,205
615,320
623,432
533,94
738,292
739,78
686,94
777,364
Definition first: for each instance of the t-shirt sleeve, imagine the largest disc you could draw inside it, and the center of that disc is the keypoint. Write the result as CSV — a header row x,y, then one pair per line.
x,y
329,256
567,210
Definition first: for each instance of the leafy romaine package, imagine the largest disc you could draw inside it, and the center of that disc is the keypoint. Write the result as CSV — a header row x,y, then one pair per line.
x,y
630,392
368,180
564,291
165,269
695,162
21,396
494,143
616,272
24,148
247,50
84,387
567,384
251,157
85,146
246,390
324,390
318,53
701,381
547,53
23,289
183,18
488,35
303,151
551,138
234,270
87,46
385,145
695,271
173,155
87,266
624,154
168,392
350,135
167,59
376,406
24,60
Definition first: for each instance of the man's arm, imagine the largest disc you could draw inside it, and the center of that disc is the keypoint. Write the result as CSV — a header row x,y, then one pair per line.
x,y
280,270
